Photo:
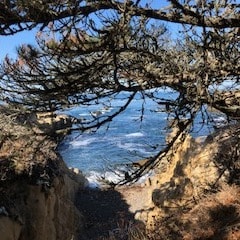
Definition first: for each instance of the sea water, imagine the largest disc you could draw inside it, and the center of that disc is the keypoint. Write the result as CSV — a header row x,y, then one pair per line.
x,y
131,136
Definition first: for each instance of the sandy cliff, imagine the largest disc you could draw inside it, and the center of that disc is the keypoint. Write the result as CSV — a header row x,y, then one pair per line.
x,y
195,194
40,212
37,189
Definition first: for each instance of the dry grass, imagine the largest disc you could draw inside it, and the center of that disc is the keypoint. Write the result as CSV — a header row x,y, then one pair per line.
x,y
127,231
215,217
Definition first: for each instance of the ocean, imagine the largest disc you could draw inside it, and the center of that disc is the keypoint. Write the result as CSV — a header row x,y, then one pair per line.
x,y
126,139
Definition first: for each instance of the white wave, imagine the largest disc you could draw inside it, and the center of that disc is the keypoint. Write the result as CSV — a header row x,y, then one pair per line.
x,y
82,142
219,119
83,114
107,109
128,146
136,134
95,178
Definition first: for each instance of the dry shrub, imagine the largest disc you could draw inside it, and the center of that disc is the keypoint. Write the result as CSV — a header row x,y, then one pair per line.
x,y
24,150
215,217
127,230
228,157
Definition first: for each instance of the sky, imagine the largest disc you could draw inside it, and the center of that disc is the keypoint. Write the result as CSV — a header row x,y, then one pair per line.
x,y
8,44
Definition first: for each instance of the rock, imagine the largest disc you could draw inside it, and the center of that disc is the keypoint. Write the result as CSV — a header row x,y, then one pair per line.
x,y
42,213
9,229
52,123
141,162
195,168
175,193
37,191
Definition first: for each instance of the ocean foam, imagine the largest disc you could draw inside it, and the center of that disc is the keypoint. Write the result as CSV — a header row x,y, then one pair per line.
x,y
82,142
130,146
136,134
219,119
97,179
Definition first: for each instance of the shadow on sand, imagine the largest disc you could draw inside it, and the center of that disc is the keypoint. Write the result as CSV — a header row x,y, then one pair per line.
x,y
104,211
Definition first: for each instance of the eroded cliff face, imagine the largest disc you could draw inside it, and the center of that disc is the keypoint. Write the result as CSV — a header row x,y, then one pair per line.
x,y
37,190
197,195
197,167
40,212
194,169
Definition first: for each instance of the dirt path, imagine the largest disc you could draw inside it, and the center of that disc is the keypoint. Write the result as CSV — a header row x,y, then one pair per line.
x,y
107,211
138,198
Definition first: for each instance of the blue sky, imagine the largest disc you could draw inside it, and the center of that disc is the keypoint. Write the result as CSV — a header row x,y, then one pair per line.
x,y
8,44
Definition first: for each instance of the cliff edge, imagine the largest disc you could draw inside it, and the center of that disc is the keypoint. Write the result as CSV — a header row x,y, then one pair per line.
x,y
37,190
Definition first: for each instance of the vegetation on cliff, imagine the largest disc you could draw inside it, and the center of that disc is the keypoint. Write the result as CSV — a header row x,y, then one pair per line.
x,y
37,190
25,150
